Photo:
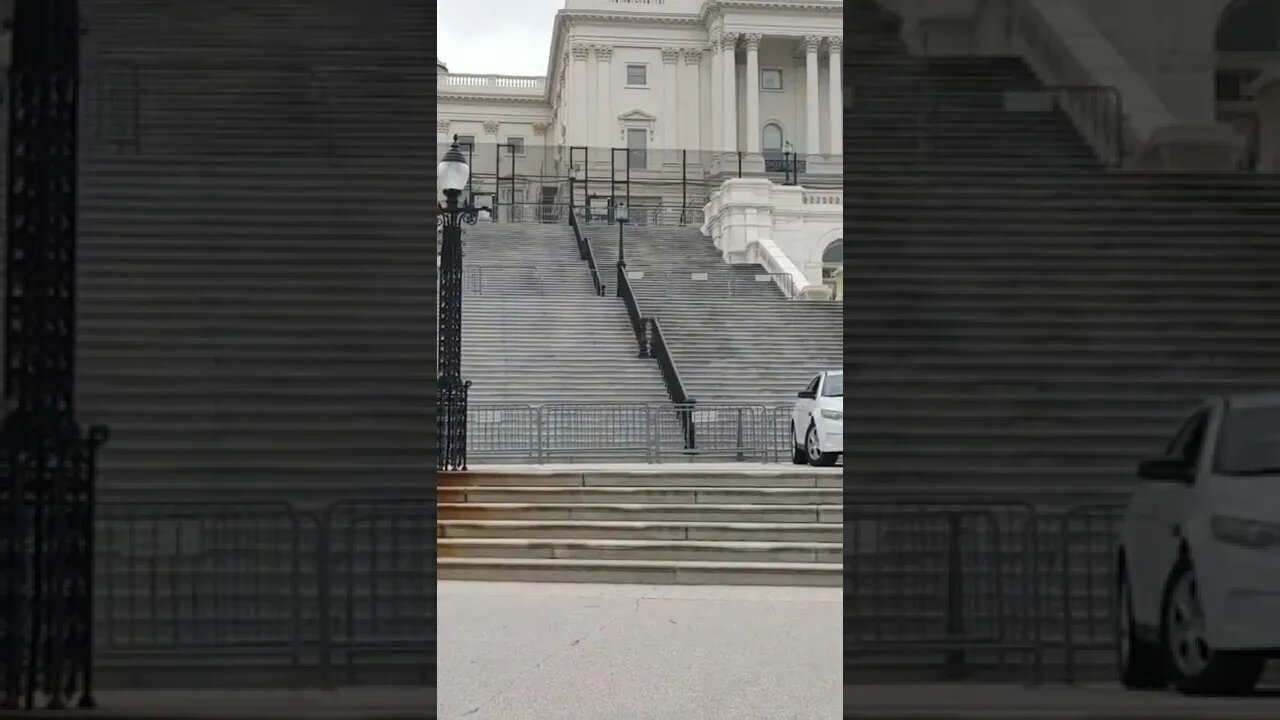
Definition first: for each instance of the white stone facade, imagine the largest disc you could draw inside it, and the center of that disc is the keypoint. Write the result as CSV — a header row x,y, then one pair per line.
x,y
1193,74
696,75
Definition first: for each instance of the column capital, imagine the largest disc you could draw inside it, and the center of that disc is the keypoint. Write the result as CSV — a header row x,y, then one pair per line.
x,y
811,43
540,128
442,127
752,41
713,41
603,52
491,127
670,55
579,51
692,56
834,43
729,40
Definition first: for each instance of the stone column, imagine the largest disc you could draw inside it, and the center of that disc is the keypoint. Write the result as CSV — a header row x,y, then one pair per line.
x,y
835,145
813,142
716,101
602,106
670,117
578,96
729,44
752,128
691,121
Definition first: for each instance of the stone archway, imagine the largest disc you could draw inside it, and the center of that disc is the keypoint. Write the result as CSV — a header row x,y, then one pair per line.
x,y
1247,77
833,268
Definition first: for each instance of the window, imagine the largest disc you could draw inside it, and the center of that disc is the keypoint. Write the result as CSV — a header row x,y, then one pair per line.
x,y
637,147
637,76
517,145
1189,440
1248,443
465,142
834,386
812,388
770,79
772,140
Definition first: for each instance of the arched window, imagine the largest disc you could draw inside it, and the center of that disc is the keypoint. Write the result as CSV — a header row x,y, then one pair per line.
x,y
834,254
772,140
833,268
1249,26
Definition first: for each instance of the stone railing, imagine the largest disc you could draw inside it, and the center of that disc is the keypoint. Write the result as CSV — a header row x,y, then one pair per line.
x,y
823,197
497,84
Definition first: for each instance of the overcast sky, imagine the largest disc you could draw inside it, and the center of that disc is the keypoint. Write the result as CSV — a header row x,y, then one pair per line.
x,y
506,37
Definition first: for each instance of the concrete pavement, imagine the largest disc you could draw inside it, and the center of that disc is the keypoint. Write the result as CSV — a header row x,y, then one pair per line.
x,y
534,651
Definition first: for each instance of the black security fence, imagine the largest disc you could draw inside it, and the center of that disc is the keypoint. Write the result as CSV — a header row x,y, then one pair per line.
x,y
974,585
317,596
537,183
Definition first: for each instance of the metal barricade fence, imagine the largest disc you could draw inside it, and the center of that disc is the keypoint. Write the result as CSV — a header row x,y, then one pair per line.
x,y
738,432
942,579
780,432
178,577
505,430
593,429
650,432
379,563
1084,601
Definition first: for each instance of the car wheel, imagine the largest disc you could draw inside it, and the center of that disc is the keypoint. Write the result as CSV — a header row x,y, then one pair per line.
x,y
798,456
1195,667
814,452
1140,664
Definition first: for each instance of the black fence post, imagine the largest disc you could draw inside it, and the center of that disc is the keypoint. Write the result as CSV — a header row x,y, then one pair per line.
x,y
955,657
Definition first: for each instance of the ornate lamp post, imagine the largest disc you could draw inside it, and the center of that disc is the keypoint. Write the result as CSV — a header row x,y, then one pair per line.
x,y
47,496
453,174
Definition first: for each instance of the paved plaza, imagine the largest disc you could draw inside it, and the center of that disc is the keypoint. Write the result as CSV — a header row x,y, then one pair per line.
x,y
526,651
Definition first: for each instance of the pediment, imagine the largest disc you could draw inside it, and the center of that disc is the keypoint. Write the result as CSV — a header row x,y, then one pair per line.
x,y
637,116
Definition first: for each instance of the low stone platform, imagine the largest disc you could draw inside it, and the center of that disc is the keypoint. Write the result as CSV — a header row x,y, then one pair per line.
x,y
1106,701
386,703
705,523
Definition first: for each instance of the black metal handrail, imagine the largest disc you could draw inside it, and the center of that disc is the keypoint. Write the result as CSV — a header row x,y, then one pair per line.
x,y
638,324
673,382
586,253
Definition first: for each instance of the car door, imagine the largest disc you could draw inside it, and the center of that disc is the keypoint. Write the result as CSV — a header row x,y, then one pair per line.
x,y
804,408
1158,509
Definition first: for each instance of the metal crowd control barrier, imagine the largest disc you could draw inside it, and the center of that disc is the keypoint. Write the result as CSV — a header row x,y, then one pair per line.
x,y
954,579
1087,537
379,565
174,579
643,431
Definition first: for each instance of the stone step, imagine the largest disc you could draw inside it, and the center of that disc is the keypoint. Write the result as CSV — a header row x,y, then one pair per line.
x,y
638,512
640,571
652,531
633,495
657,550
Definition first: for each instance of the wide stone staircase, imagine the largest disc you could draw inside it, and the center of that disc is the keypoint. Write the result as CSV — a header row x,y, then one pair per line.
x,y
732,524
1030,325
553,364
735,337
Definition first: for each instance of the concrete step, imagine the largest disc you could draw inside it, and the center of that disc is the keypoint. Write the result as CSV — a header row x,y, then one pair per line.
x,y
652,531
640,571
636,512
735,475
657,550
634,495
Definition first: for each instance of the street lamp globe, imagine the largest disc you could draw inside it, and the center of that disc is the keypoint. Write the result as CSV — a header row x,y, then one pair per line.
x,y
453,171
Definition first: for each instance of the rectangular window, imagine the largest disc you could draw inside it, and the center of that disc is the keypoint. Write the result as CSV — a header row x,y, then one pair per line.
x,y
637,76
517,145
637,148
466,141
770,79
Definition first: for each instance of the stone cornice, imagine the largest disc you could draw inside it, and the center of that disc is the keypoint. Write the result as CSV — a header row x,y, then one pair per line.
x,y
469,97
712,8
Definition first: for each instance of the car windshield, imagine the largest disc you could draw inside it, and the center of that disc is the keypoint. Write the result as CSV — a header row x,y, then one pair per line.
x,y
834,387
1249,443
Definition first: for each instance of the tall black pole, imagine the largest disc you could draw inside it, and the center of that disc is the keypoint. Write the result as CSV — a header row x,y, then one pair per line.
x,y
46,488
451,423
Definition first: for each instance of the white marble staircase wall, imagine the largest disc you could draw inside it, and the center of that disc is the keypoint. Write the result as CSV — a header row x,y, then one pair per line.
x,y
782,228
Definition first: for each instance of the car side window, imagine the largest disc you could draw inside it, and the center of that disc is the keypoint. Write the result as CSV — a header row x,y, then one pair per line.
x,y
1188,443
813,385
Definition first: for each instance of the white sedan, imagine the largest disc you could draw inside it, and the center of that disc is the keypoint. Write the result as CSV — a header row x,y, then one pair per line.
x,y
1198,601
817,422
